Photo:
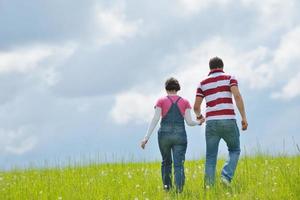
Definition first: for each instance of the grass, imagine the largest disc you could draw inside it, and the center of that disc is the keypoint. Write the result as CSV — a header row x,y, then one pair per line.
x,y
258,177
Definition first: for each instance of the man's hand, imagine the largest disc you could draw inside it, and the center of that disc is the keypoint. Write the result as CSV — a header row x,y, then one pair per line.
x,y
143,143
200,119
244,124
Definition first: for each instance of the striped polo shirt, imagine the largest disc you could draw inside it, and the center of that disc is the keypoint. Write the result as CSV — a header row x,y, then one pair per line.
x,y
215,88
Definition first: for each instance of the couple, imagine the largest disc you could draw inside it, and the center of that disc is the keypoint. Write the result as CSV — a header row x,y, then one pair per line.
x,y
217,89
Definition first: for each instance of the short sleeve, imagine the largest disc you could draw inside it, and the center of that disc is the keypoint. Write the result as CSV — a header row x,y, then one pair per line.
x,y
187,105
158,103
199,92
233,81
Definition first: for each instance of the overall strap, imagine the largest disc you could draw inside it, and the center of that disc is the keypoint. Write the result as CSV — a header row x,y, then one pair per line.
x,y
170,99
173,101
177,100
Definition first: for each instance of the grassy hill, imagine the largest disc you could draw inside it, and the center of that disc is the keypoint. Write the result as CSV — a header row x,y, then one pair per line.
x,y
259,177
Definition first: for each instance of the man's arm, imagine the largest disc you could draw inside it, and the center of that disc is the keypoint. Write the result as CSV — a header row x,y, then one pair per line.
x,y
240,105
197,105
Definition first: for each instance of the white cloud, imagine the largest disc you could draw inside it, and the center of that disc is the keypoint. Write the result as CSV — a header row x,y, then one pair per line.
x,y
27,58
112,25
286,63
17,141
289,50
133,106
24,59
290,90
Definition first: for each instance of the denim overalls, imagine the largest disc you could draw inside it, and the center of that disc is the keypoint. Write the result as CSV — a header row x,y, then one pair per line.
x,y
172,140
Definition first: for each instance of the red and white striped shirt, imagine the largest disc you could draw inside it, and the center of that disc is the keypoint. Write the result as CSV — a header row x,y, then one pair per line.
x,y
215,88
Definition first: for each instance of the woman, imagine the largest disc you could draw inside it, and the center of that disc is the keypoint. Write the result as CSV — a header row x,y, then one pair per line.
x,y
172,139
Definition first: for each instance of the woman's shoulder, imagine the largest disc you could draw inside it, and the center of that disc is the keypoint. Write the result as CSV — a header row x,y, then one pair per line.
x,y
185,102
184,99
161,100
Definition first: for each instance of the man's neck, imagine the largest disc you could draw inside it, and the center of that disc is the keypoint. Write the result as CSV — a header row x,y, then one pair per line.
x,y
215,70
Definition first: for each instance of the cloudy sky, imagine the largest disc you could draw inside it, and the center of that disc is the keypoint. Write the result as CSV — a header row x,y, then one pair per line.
x,y
79,78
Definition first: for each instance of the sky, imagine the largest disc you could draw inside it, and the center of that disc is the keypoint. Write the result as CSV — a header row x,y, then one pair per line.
x,y
79,78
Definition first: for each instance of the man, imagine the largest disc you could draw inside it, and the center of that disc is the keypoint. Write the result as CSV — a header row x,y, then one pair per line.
x,y
217,89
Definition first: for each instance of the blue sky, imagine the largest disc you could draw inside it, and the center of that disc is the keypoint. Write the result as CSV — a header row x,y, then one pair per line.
x,y
80,78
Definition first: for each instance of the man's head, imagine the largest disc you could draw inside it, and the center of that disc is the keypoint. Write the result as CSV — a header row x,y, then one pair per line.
x,y
215,63
172,85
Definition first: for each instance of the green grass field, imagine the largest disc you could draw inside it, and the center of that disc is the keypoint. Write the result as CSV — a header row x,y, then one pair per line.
x,y
259,177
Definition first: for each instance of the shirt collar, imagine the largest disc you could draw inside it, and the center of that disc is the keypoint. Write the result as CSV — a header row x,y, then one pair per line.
x,y
215,71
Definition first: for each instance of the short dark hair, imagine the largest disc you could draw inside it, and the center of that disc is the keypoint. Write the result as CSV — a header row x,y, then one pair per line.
x,y
215,63
172,84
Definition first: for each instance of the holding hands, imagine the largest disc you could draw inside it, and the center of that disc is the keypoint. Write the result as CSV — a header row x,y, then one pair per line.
x,y
200,119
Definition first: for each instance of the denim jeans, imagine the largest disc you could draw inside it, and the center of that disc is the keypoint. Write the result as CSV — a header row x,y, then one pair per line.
x,y
228,131
172,140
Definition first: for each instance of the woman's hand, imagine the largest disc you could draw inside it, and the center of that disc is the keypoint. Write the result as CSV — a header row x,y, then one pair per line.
x,y
143,143
201,121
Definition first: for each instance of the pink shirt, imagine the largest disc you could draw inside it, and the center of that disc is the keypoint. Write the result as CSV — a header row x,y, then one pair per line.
x,y
165,104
